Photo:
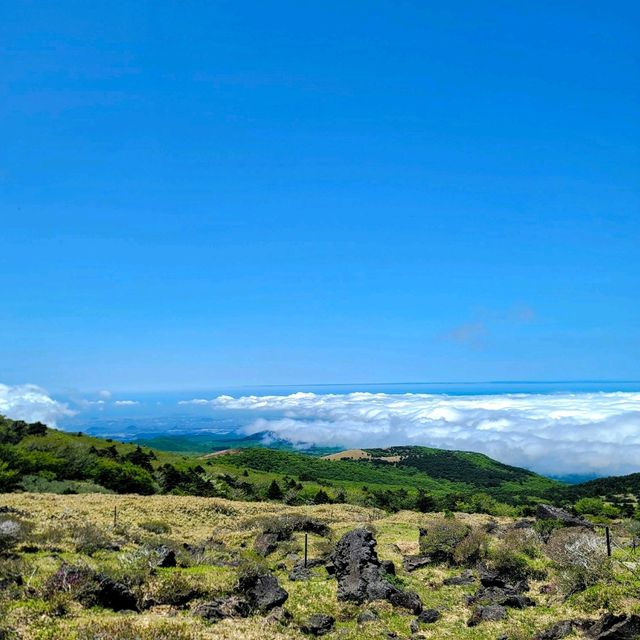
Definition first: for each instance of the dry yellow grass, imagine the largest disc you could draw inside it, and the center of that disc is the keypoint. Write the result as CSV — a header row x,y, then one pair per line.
x,y
234,525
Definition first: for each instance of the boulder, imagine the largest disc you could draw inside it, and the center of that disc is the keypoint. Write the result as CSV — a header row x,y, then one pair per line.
x,y
507,596
299,572
367,616
357,568
616,627
166,558
549,512
491,613
406,600
225,607
360,575
411,563
262,591
556,631
279,615
318,624
429,616
466,577
388,567
114,595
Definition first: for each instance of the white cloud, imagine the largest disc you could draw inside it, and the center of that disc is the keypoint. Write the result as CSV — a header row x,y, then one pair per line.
x,y
31,403
125,403
554,434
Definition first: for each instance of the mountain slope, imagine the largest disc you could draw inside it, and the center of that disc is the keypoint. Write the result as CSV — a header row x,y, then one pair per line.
x,y
434,470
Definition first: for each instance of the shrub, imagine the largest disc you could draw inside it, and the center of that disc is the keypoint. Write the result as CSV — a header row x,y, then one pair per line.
x,y
12,531
471,549
581,558
514,564
174,588
89,538
156,526
129,628
285,526
441,537
78,581
546,528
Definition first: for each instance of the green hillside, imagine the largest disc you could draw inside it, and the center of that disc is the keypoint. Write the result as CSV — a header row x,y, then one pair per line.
x,y
36,458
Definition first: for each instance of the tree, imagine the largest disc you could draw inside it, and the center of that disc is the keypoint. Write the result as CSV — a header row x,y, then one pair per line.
x,y
425,502
274,492
321,497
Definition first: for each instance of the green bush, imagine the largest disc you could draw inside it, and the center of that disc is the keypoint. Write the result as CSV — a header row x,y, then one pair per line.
x,y
89,539
156,526
123,477
440,538
174,588
545,528
471,549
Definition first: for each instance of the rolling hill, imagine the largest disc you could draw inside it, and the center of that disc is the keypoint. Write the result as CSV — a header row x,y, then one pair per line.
x,y
36,458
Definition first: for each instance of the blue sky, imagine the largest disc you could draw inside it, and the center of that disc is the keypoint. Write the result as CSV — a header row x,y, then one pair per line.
x,y
201,194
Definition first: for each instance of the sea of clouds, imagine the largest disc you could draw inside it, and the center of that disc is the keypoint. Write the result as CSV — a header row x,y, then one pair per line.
x,y
555,434
31,403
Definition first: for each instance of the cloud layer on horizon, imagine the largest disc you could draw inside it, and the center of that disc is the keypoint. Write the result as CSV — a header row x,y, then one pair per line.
x,y
31,403
556,434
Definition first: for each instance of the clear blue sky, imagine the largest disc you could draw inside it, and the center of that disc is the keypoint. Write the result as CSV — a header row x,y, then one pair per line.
x,y
197,194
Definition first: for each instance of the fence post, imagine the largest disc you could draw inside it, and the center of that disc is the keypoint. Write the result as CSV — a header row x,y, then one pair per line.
x,y
608,534
305,549
115,517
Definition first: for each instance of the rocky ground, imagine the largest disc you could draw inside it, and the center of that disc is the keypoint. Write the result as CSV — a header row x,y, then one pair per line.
x,y
94,567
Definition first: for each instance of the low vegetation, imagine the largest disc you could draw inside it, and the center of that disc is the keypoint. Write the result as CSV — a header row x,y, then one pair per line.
x,y
186,567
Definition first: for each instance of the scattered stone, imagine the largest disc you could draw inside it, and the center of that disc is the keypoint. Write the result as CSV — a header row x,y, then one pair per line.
x,y
491,613
360,575
411,563
318,624
266,543
524,524
114,595
367,616
300,572
414,627
229,607
279,615
262,590
549,512
166,557
388,567
466,577
507,596
616,627
429,616
357,568
406,600
491,578
556,631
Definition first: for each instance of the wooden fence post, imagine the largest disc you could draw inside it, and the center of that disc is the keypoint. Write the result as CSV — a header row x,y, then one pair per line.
x,y
608,534
305,549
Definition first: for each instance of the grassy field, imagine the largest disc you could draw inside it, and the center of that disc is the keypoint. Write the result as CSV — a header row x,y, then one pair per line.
x,y
80,530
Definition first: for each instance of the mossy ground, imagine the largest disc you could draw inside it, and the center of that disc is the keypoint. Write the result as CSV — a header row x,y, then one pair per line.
x,y
229,529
